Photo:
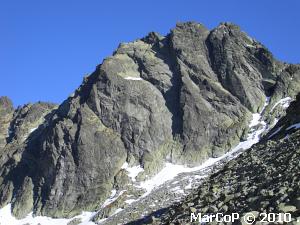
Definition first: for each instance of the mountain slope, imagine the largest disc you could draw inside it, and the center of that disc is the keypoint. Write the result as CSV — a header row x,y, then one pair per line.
x,y
264,178
181,98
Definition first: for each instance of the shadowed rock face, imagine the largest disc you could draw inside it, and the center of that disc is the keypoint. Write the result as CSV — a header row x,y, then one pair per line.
x,y
183,98
18,127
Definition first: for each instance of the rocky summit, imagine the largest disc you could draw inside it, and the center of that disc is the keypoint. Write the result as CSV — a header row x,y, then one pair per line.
x,y
179,99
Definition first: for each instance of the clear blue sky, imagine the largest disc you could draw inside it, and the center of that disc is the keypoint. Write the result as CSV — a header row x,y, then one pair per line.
x,y
46,47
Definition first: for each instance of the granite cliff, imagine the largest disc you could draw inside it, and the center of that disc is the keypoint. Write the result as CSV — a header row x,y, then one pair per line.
x,y
179,98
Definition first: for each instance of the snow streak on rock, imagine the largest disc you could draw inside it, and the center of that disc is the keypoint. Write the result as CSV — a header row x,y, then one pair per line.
x,y
7,218
284,102
133,78
294,126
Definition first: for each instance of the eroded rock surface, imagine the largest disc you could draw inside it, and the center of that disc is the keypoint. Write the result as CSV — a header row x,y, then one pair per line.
x,y
263,179
180,98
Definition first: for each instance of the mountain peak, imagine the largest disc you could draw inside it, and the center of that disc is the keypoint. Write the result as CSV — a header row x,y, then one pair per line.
x,y
182,98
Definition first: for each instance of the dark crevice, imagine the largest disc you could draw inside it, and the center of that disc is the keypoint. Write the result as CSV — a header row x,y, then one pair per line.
x,y
76,140
212,61
174,93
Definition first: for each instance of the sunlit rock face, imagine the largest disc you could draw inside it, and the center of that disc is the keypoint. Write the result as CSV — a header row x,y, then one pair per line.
x,y
181,98
264,176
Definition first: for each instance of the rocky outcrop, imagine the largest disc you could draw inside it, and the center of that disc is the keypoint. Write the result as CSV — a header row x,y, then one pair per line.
x,y
181,98
264,179
18,128
287,124
6,114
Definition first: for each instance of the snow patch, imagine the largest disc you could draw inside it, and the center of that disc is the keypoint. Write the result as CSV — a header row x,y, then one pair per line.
x,y
169,172
130,201
253,137
250,46
275,121
113,197
117,211
33,129
255,119
284,102
133,78
177,190
7,218
132,171
189,186
294,126
72,95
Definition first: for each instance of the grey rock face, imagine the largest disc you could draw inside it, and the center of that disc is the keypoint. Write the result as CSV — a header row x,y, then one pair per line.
x,y
213,119
20,126
6,113
23,201
287,124
78,162
27,119
182,97
91,141
262,179
244,67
